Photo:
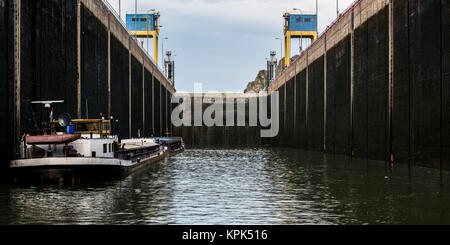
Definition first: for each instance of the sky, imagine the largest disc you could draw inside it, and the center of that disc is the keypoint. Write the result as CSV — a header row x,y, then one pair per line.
x,y
222,44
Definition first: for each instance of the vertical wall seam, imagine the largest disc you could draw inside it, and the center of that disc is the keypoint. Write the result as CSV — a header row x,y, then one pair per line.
x,y
143,94
284,112
167,122
391,76
306,90
17,78
325,95
78,58
334,98
413,111
295,100
153,103
8,76
160,109
109,66
409,86
129,87
352,80
441,88
367,89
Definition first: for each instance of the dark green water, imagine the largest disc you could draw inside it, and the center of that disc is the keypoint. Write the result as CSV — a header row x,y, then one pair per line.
x,y
241,186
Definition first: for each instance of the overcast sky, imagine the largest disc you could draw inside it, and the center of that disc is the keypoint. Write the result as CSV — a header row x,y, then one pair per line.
x,y
224,43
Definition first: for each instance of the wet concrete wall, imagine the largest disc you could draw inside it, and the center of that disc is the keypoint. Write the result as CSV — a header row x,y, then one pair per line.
x,y
356,108
148,102
5,89
425,82
165,113
377,87
360,138
280,139
94,69
315,106
421,109
300,109
157,107
289,114
445,130
119,88
136,98
337,127
48,59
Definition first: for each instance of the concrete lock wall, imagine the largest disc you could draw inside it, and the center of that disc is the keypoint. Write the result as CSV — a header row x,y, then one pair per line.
x,y
375,85
220,136
79,52
5,77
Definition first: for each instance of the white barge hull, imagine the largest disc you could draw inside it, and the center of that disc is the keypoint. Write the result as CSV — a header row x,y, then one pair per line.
x,y
74,167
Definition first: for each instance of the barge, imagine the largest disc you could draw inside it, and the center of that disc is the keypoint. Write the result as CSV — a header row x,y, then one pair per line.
x,y
86,148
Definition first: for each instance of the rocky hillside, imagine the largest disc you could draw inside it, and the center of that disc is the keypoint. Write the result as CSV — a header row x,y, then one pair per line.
x,y
261,79
258,84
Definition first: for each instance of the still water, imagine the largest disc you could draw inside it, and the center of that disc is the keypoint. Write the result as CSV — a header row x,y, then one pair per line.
x,y
240,186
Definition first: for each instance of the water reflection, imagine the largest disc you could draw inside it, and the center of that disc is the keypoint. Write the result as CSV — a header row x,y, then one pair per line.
x,y
240,186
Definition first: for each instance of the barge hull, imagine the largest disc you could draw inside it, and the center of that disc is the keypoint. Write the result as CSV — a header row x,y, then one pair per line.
x,y
70,168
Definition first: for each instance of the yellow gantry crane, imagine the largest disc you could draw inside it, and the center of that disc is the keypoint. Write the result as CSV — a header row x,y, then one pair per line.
x,y
298,26
145,26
